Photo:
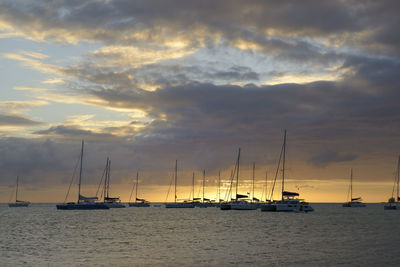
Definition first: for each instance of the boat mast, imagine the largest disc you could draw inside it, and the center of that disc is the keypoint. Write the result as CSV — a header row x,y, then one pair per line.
x,y
204,182
237,175
176,176
398,177
254,167
193,187
219,186
80,173
108,179
351,184
283,163
266,185
137,183
105,180
16,191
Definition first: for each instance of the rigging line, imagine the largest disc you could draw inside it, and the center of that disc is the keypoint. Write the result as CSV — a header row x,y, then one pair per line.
x,y
169,188
133,187
72,180
276,174
11,196
101,181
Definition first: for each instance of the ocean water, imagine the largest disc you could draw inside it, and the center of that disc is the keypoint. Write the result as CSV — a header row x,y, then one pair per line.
x,y
40,235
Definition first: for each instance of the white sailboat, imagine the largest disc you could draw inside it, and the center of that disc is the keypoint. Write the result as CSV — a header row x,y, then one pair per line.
x,y
239,202
394,203
139,202
178,204
356,201
111,202
83,203
18,203
290,201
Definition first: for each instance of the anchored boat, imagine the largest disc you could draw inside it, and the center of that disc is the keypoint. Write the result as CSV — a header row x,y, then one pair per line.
x,y
355,202
18,203
394,203
83,203
289,201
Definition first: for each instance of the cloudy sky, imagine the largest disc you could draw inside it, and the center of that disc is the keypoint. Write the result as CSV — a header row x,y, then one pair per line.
x,y
148,82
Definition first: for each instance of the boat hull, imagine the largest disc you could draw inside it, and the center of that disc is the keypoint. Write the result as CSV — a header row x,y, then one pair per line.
x,y
354,205
286,208
18,204
244,206
139,204
179,205
80,206
391,206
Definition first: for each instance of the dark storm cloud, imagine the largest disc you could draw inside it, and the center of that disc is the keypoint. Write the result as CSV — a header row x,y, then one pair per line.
x,y
117,21
16,120
327,157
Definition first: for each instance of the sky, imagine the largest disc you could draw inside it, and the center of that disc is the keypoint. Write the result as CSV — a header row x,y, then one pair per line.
x,y
150,82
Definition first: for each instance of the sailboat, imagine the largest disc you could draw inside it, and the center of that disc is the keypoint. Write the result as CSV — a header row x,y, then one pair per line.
x,y
139,202
18,203
241,203
178,204
83,203
356,201
111,202
289,201
205,202
394,203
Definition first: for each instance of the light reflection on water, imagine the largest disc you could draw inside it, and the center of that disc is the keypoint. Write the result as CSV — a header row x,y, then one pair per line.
x,y
332,235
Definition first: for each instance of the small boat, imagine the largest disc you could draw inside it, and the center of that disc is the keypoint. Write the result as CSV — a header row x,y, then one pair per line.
x,y
111,202
139,202
289,201
18,203
178,204
83,203
356,201
394,203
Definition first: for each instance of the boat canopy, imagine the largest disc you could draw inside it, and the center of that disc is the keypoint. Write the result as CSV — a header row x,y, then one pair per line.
x,y
140,199
196,198
241,196
290,194
255,199
356,198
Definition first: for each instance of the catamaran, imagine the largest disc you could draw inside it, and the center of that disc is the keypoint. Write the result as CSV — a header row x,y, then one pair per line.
x,y
289,201
178,204
241,201
355,202
83,203
18,203
111,202
394,203
139,202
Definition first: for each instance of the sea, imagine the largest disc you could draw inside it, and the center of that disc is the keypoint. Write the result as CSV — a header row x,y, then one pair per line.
x,y
41,235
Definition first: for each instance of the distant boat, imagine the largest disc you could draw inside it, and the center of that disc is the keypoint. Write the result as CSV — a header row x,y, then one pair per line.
x,y
178,204
355,202
18,203
139,202
111,202
394,203
83,203
290,201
